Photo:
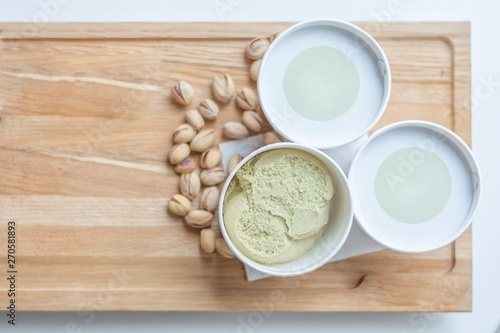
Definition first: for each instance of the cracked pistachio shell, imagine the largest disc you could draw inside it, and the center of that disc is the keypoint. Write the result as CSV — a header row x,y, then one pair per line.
x,y
207,240
210,158
184,133
190,184
257,47
179,205
199,218
203,141
178,153
213,176
223,88
209,109
183,93
254,70
247,99
253,121
233,162
186,165
195,119
234,130
209,198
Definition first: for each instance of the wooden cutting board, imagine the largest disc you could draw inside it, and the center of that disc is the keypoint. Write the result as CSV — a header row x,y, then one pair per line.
x,y
86,123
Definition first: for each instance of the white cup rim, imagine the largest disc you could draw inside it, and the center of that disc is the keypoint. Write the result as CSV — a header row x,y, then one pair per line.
x,y
460,146
373,47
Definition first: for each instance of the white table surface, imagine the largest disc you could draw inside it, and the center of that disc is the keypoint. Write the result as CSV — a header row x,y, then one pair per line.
x,y
486,142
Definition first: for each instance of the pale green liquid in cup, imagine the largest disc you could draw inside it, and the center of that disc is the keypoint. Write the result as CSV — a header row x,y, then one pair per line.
x,y
321,83
413,185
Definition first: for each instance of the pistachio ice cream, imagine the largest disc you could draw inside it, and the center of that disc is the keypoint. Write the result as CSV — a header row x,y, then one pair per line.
x,y
277,204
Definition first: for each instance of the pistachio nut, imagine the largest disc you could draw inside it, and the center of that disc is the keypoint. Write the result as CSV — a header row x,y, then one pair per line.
x,y
207,240
253,121
254,70
271,137
209,198
233,162
209,109
184,133
257,47
247,99
190,184
210,158
199,218
179,205
183,93
194,118
222,248
234,130
203,140
213,176
223,88
178,152
186,165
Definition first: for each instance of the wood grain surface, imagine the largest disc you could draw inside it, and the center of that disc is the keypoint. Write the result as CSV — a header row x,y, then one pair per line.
x,y
86,123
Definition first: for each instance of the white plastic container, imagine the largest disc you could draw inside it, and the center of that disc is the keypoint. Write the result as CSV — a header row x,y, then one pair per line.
x,y
324,83
415,186
334,233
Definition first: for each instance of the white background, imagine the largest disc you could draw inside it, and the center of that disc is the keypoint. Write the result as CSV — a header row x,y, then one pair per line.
x,y
486,141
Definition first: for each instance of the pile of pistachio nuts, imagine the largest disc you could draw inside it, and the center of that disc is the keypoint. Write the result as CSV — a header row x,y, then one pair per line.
x,y
202,181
